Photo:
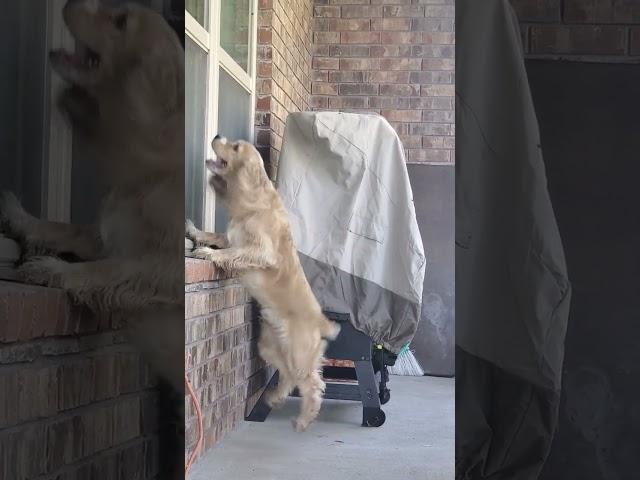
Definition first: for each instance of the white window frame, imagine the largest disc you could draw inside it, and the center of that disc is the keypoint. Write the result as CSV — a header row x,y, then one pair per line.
x,y
58,151
218,58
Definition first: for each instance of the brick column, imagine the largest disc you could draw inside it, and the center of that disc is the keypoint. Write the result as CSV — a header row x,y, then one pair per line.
x,y
222,361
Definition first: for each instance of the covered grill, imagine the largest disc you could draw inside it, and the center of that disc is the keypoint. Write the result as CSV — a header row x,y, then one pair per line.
x,y
343,179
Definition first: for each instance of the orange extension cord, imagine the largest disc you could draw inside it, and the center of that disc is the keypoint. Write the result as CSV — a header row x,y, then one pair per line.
x,y
196,404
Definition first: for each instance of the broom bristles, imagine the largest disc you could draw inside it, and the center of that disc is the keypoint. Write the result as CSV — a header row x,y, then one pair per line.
x,y
406,364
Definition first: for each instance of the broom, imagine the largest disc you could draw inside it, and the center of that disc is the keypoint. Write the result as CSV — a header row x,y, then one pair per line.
x,y
406,364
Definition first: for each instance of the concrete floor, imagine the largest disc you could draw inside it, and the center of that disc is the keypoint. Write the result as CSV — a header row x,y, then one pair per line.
x,y
416,441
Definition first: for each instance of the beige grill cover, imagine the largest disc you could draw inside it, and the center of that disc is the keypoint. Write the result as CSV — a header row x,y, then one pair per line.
x,y
344,181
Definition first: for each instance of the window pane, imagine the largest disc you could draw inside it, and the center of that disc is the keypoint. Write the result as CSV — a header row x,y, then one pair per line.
x,y
199,9
234,122
234,30
195,118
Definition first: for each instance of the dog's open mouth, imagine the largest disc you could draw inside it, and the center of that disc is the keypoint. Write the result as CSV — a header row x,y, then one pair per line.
x,y
83,58
217,165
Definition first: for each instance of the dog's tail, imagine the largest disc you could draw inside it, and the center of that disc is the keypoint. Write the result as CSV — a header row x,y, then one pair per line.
x,y
329,329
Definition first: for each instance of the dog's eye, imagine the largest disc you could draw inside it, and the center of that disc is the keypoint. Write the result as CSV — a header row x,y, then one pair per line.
x,y
120,21
235,147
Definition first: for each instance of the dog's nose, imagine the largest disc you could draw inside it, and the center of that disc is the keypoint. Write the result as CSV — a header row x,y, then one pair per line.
x,y
217,137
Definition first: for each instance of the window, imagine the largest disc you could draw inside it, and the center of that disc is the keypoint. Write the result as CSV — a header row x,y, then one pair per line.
x,y
220,89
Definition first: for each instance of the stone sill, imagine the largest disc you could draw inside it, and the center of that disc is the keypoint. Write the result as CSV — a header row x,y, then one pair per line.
x,y
29,312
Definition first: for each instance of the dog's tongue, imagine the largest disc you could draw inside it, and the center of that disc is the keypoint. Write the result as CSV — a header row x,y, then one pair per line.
x,y
212,165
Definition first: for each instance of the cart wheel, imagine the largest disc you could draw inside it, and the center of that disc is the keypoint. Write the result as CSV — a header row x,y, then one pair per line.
x,y
376,419
385,396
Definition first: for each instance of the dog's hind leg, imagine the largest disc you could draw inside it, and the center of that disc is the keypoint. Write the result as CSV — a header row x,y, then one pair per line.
x,y
311,389
270,352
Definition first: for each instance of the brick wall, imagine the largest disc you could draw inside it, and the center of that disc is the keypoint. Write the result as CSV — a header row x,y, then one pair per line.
x,y
221,352
76,401
284,71
593,30
394,58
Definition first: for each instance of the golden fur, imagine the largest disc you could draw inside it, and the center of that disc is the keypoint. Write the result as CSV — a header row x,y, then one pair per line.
x,y
129,107
259,246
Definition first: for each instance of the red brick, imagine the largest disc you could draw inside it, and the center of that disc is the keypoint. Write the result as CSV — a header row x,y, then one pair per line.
x,y
390,50
359,37
391,24
321,50
389,77
411,141
347,102
358,89
578,39
438,38
350,76
324,89
432,24
438,64
399,90
602,11
359,64
390,103
348,2
430,156
361,11
432,103
438,90
264,35
439,11
431,77
434,51
410,11
326,63
349,25
326,37
319,76
402,115
538,10
325,11
400,38
438,116
349,51
439,129
400,64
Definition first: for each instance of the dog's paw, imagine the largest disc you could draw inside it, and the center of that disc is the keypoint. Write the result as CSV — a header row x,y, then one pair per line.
x,y
47,271
206,253
14,219
190,230
274,400
299,425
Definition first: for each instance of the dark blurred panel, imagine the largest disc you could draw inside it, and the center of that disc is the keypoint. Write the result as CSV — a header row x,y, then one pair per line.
x,y
588,115
433,195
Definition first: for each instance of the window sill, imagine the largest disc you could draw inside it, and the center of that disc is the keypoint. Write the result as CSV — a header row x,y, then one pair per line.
x,y
9,255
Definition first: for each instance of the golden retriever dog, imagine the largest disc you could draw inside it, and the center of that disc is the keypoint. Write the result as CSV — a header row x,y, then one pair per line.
x,y
126,100
259,246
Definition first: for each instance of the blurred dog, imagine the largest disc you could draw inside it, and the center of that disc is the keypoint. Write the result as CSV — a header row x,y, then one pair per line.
x,y
259,246
126,100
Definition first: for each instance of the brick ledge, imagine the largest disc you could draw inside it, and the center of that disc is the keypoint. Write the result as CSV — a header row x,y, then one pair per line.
x,y
198,271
